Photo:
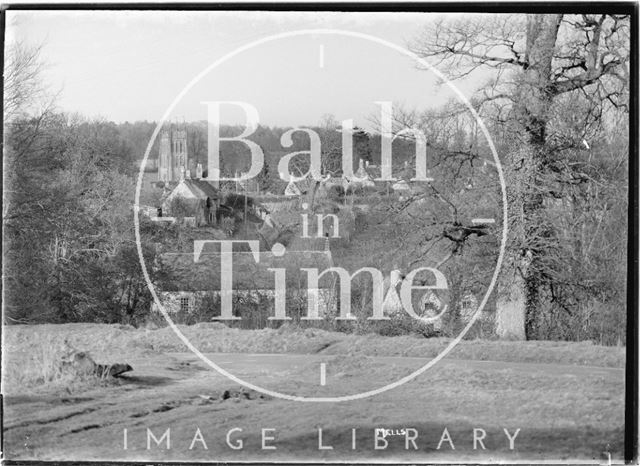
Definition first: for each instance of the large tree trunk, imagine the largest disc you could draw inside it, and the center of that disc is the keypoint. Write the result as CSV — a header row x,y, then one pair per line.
x,y
511,303
512,292
533,100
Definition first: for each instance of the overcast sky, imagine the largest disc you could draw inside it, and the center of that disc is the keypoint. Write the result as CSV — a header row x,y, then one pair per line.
x,y
128,66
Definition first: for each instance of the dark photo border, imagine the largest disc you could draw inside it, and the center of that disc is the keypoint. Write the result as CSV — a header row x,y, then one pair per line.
x,y
626,8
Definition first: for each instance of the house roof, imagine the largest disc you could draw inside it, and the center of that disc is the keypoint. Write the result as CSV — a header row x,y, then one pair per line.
x,y
292,189
302,187
363,172
202,188
205,274
401,185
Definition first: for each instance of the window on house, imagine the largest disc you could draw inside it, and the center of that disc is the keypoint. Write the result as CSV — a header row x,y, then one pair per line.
x,y
184,304
468,303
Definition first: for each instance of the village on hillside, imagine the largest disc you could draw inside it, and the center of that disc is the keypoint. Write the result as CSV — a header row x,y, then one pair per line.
x,y
307,219
278,235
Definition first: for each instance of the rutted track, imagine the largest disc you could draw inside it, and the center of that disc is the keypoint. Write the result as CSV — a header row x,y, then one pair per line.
x,y
178,391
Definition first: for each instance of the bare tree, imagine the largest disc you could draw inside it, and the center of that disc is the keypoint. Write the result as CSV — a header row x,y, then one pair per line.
x,y
24,91
543,57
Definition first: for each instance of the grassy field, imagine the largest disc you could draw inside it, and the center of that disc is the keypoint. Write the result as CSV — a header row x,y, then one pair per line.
x,y
568,405
32,353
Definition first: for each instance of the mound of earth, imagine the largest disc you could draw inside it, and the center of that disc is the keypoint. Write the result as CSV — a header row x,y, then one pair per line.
x,y
82,363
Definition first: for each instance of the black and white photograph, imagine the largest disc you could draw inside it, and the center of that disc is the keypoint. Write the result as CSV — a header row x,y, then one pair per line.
x,y
320,233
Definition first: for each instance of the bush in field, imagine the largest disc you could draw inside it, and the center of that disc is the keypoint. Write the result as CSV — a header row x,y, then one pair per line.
x,y
403,324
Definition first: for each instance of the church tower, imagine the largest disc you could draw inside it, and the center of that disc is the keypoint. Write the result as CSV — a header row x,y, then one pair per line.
x,y
173,161
165,164
179,139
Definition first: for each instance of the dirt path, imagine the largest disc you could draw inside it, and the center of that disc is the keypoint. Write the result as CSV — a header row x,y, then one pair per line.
x,y
562,411
276,362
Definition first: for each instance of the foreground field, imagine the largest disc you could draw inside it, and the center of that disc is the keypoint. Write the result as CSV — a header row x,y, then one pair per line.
x,y
567,403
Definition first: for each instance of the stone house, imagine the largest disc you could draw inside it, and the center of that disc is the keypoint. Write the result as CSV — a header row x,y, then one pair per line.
x,y
251,281
193,199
